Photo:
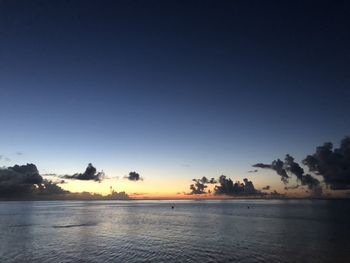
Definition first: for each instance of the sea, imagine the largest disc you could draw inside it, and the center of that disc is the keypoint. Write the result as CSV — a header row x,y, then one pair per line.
x,y
175,231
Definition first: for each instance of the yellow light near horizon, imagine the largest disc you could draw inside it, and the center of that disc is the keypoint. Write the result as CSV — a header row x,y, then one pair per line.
x,y
146,187
173,186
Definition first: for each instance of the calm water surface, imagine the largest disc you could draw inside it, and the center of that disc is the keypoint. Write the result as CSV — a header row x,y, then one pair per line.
x,y
195,231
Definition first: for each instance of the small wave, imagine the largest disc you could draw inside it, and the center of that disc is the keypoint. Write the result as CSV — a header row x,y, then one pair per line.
x,y
75,225
22,225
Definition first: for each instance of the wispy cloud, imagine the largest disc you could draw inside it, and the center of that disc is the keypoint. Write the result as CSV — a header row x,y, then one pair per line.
x,y
4,158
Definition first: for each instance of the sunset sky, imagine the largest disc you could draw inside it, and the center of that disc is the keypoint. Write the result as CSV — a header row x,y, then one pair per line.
x,y
173,90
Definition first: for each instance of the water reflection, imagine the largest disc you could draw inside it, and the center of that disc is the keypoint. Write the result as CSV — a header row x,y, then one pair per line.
x,y
206,231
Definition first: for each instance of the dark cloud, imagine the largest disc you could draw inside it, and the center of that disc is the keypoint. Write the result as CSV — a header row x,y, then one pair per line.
x,y
332,164
134,176
291,187
228,187
290,166
277,166
223,186
262,165
205,180
50,188
19,179
89,174
25,180
294,168
200,185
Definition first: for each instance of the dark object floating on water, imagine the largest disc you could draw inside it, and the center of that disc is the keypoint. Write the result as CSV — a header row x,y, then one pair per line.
x,y
248,207
172,207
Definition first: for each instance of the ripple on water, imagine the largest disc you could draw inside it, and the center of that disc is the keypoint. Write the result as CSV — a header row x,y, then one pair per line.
x,y
194,232
74,225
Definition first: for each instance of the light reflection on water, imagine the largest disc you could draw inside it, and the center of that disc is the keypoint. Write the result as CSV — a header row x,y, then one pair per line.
x,y
195,231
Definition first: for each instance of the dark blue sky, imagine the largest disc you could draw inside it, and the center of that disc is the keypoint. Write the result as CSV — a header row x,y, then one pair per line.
x,y
161,84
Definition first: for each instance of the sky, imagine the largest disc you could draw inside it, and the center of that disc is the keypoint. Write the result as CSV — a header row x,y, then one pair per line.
x,y
173,90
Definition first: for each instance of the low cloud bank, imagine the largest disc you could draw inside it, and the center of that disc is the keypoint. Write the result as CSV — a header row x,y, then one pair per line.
x,y
228,187
224,186
200,185
25,182
20,180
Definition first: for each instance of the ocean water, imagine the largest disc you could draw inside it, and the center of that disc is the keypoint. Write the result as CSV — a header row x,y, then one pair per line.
x,y
194,231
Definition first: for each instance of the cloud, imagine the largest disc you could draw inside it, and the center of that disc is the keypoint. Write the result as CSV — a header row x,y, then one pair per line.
x,y
4,158
205,180
267,187
19,179
294,168
227,187
50,188
291,187
200,185
89,174
290,166
277,166
23,182
223,186
262,165
134,176
332,164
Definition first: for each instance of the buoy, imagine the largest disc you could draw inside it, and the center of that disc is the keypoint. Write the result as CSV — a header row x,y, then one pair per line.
x,y
172,207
